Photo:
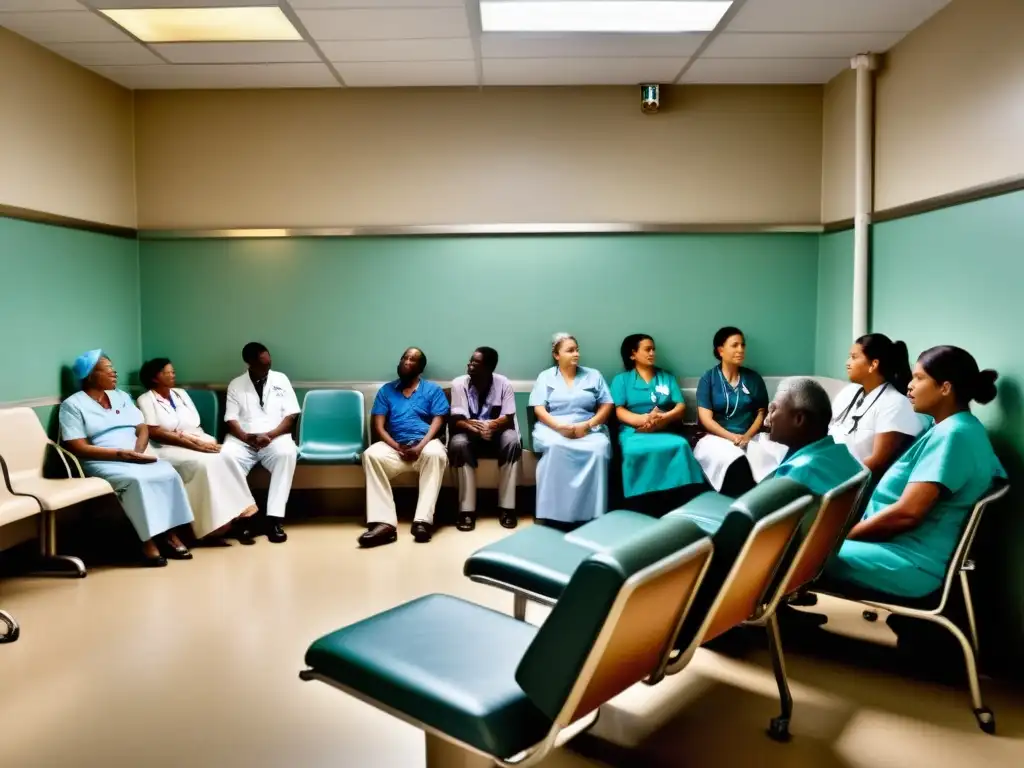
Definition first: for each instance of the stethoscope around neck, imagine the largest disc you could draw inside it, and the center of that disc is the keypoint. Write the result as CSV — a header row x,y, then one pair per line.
x,y
858,397
726,387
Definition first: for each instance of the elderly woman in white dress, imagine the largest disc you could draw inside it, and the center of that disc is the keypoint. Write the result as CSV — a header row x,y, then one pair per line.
x,y
216,486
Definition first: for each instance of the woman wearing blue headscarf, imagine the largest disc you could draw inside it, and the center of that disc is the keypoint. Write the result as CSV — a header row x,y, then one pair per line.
x,y
102,427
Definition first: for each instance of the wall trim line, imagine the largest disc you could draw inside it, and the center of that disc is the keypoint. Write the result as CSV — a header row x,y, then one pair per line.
x,y
937,203
32,402
56,220
538,228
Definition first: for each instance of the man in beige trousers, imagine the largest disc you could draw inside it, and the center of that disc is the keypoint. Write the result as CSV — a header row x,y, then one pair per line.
x,y
407,416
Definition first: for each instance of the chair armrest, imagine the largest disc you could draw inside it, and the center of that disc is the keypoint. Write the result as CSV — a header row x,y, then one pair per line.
x,y
64,454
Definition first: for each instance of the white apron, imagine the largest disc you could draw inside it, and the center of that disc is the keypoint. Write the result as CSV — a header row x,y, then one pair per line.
x,y
716,454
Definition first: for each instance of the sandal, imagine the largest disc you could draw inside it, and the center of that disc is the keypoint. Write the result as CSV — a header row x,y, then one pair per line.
x,y
466,521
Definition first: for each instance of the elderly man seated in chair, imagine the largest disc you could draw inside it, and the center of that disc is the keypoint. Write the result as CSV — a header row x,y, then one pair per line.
x,y
800,416
799,420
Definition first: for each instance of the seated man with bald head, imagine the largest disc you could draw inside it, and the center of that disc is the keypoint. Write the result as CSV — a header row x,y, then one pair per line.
x,y
407,416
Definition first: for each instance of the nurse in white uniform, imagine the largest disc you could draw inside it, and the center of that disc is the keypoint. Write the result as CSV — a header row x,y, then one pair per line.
x,y
731,405
260,415
215,483
872,415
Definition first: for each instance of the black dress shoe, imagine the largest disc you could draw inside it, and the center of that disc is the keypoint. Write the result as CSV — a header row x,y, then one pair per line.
x,y
172,552
275,533
153,562
466,521
421,531
241,529
507,518
380,533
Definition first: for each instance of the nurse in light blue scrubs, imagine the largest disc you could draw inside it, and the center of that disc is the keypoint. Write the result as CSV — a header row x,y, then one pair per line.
x,y
103,428
649,406
914,519
572,404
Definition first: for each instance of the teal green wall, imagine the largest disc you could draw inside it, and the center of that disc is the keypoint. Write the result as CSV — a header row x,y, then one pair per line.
x,y
834,329
956,276
63,291
345,308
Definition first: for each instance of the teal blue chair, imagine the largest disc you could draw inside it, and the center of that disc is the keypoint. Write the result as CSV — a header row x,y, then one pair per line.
x,y
205,401
509,689
525,418
332,427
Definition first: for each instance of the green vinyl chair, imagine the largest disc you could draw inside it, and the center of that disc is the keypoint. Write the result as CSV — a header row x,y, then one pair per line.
x,y
332,427
511,689
206,403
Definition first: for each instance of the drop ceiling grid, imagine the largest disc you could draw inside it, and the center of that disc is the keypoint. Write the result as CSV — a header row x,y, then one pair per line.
x,y
375,43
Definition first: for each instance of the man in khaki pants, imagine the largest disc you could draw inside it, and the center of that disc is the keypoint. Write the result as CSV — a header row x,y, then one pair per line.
x,y
407,415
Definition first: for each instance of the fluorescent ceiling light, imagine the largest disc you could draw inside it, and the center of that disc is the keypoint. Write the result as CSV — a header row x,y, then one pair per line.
x,y
177,25
602,15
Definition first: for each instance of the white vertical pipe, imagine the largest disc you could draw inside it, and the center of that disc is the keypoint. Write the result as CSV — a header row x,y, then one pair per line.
x,y
865,65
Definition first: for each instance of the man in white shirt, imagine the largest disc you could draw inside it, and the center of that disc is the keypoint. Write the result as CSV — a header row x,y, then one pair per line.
x,y
260,415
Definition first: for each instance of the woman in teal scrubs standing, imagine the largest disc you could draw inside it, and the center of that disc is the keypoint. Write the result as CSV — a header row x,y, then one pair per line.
x,y
903,544
649,406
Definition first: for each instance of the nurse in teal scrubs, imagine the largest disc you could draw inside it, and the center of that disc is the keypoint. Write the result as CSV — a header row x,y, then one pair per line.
x,y
914,519
649,406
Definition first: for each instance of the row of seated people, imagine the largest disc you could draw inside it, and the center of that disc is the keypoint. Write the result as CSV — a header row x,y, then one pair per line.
x,y
633,597
871,417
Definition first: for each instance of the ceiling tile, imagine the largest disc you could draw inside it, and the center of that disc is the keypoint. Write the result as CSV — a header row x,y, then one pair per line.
x,y
63,27
99,54
758,71
40,5
386,23
545,46
800,45
237,53
833,15
222,76
433,49
582,71
383,74
376,3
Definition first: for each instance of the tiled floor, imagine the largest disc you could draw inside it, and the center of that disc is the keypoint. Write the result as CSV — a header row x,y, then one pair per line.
x,y
197,665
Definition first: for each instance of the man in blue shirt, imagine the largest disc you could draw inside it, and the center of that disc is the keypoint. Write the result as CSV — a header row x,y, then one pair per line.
x,y
407,416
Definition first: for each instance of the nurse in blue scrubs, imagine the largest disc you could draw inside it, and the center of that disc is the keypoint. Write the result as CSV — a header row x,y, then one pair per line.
x,y
914,519
572,404
649,407
731,406
103,428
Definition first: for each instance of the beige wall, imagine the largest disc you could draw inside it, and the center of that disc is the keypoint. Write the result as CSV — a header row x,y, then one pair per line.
x,y
837,147
421,156
66,137
950,103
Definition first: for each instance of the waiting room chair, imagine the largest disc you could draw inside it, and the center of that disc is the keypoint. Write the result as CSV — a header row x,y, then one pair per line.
x,y
332,427
23,450
510,689
206,403
13,508
13,630
932,608
752,537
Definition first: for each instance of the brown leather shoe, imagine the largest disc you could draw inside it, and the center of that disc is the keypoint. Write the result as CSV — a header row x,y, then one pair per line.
x,y
379,534
421,531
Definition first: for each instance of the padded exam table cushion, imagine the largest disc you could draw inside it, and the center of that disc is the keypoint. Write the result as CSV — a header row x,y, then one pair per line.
x,y
446,662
